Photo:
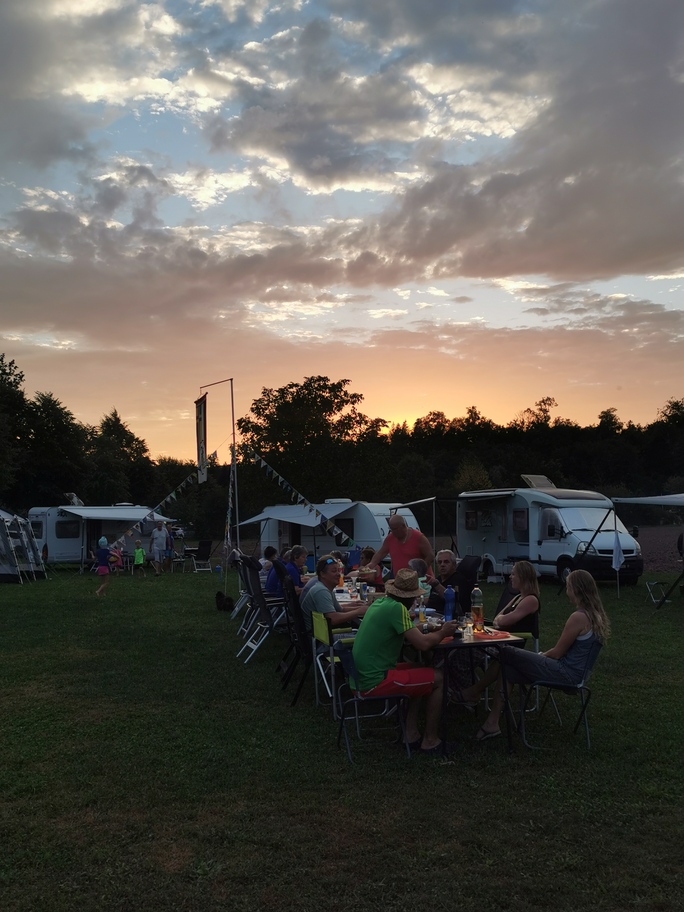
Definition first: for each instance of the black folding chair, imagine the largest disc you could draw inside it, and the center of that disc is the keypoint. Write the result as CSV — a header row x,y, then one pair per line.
x,y
580,690
391,704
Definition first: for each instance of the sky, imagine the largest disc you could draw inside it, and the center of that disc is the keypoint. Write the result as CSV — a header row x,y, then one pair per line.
x,y
450,203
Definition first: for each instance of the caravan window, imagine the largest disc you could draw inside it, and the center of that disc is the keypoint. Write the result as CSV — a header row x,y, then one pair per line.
x,y
37,527
550,525
68,528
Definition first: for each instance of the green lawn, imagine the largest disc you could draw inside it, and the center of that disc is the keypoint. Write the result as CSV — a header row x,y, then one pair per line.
x,y
143,767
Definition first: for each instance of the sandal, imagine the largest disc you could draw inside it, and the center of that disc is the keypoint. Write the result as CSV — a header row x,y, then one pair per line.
x,y
456,696
483,735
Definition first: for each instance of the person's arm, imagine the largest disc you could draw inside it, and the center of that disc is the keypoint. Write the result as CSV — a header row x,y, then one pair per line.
x,y
342,618
424,641
426,551
575,625
525,606
382,551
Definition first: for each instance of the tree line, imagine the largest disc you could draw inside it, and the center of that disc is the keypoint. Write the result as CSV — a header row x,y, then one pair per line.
x,y
314,434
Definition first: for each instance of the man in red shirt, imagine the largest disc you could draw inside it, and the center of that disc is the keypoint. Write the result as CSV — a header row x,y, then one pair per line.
x,y
403,544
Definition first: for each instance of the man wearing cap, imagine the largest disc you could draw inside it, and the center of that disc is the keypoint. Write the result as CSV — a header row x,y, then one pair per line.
x,y
159,542
402,544
377,647
320,596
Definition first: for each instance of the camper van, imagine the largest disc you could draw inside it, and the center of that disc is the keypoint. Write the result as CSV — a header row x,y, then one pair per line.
x,y
365,523
68,534
555,529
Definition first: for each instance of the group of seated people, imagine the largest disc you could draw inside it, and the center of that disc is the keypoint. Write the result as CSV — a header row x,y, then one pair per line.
x,y
388,628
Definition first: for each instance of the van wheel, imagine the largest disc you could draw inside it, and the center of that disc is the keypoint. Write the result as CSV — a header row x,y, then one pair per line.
x,y
487,569
564,569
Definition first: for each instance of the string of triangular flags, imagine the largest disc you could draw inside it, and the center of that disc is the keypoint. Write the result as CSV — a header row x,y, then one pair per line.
x,y
327,524
137,527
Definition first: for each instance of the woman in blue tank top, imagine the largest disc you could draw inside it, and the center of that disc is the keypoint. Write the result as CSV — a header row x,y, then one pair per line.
x,y
565,662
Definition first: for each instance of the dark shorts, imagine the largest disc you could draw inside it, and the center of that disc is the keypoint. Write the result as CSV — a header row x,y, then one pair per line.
x,y
405,680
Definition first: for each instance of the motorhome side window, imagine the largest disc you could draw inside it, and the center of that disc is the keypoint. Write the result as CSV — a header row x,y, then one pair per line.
x,y
550,524
471,520
67,528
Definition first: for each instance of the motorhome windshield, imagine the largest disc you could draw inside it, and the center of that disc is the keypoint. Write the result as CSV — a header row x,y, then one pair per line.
x,y
588,519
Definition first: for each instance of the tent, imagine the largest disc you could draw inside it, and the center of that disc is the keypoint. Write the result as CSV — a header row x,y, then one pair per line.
x,y
19,555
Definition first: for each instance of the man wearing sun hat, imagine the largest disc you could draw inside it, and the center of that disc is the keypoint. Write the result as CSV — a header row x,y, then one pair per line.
x,y
377,648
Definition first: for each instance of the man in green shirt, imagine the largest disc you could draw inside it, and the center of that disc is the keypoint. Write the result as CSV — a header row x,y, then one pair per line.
x,y
377,647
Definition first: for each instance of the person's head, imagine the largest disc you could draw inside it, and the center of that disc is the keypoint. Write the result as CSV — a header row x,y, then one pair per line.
x,y
397,526
419,565
270,552
582,592
446,563
285,555
102,543
328,570
298,555
404,587
524,578
138,543
160,524
337,554
283,551
366,557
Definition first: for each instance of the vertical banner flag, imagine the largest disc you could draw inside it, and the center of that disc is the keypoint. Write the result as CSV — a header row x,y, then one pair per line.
x,y
618,556
201,422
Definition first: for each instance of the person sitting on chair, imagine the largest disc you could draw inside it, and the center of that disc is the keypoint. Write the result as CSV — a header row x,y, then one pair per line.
x,y
320,596
372,577
513,617
377,648
565,662
446,576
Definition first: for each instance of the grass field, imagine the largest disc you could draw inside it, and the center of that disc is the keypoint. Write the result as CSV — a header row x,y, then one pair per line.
x,y
143,767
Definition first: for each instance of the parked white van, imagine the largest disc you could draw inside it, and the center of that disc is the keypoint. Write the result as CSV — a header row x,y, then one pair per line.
x,y
555,529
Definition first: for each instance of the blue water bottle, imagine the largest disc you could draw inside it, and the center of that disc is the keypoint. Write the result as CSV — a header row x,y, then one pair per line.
x,y
449,602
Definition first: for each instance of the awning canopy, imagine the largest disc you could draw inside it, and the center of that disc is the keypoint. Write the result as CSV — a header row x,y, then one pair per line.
x,y
116,514
296,513
665,500
494,494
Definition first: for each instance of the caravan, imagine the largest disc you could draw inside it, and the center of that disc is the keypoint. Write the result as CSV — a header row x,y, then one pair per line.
x,y
364,523
68,534
555,529
19,554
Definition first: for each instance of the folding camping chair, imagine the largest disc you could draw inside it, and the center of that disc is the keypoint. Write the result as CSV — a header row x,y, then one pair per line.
x,y
201,558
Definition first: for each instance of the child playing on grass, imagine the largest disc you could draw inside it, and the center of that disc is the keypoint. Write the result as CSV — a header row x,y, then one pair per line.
x,y
139,558
102,556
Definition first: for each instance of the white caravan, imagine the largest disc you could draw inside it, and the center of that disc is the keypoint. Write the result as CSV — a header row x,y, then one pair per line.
x,y
555,529
365,523
68,534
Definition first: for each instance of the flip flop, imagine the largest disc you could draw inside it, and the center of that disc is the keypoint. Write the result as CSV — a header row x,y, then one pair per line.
x,y
483,735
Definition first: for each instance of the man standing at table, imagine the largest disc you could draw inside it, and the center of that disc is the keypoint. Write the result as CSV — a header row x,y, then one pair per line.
x,y
377,648
320,596
402,544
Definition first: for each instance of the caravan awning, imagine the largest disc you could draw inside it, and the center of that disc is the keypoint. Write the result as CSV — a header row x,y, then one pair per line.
x,y
665,500
296,513
116,514
494,494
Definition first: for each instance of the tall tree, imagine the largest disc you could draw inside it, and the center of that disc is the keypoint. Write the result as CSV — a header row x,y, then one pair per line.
x,y
13,424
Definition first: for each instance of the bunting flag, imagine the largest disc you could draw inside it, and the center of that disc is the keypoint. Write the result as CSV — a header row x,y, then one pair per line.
x,y
326,523
137,527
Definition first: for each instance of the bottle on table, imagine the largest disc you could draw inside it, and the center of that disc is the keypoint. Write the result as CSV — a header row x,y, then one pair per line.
x,y
477,609
468,635
449,603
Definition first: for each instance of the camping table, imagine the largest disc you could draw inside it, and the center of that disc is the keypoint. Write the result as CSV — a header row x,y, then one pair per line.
x,y
479,641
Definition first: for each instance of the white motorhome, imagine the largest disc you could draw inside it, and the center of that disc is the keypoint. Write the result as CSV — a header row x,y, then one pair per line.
x,y
365,523
555,529
68,534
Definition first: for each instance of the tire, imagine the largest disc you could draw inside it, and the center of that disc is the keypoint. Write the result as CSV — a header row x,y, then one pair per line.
x,y
564,568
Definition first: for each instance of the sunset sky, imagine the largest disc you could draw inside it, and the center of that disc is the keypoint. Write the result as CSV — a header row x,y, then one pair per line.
x,y
450,203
